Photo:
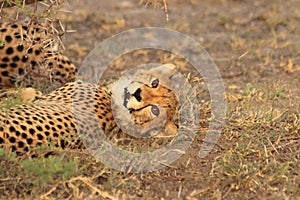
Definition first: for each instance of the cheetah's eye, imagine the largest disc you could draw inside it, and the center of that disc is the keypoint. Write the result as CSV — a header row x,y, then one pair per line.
x,y
155,83
155,110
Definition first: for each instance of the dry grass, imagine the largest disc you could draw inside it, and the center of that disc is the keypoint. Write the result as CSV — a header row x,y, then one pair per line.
x,y
257,156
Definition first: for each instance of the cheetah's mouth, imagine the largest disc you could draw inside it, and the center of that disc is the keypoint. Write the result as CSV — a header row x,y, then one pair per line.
x,y
126,97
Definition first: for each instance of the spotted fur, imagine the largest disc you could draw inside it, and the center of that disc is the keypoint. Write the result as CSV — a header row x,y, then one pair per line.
x,y
28,53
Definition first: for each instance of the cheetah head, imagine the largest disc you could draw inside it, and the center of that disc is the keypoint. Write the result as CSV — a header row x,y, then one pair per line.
x,y
145,101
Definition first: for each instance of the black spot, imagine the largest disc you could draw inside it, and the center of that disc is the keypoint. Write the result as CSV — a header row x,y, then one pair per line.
x,y
15,122
55,135
31,131
13,148
20,144
25,28
14,26
40,137
3,30
4,73
5,59
72,125
37,52
47,127
12,139
16,58
60,66
62,144
12,129
24,135
29,122
24,58
39,128
17,35
8,38
20,71
26,113
13,65
29,50
33,63
29,141
20,47
103,125
1,141
39,144
3,65
18,133
23,127
47,133
9,50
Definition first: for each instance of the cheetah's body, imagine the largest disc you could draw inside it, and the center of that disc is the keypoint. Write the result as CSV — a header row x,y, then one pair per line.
x,y
51,118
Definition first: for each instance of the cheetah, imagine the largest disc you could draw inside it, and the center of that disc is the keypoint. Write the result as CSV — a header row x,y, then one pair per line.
x,y
29,53
58,117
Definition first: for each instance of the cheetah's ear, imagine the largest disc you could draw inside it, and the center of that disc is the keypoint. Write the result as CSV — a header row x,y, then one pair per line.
x,y
167,69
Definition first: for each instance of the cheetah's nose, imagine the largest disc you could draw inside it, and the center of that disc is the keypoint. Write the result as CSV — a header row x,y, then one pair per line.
x,y
137,94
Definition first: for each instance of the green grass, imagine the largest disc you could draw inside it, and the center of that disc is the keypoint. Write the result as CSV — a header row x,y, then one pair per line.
x,y
11,100
2,43
37,174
